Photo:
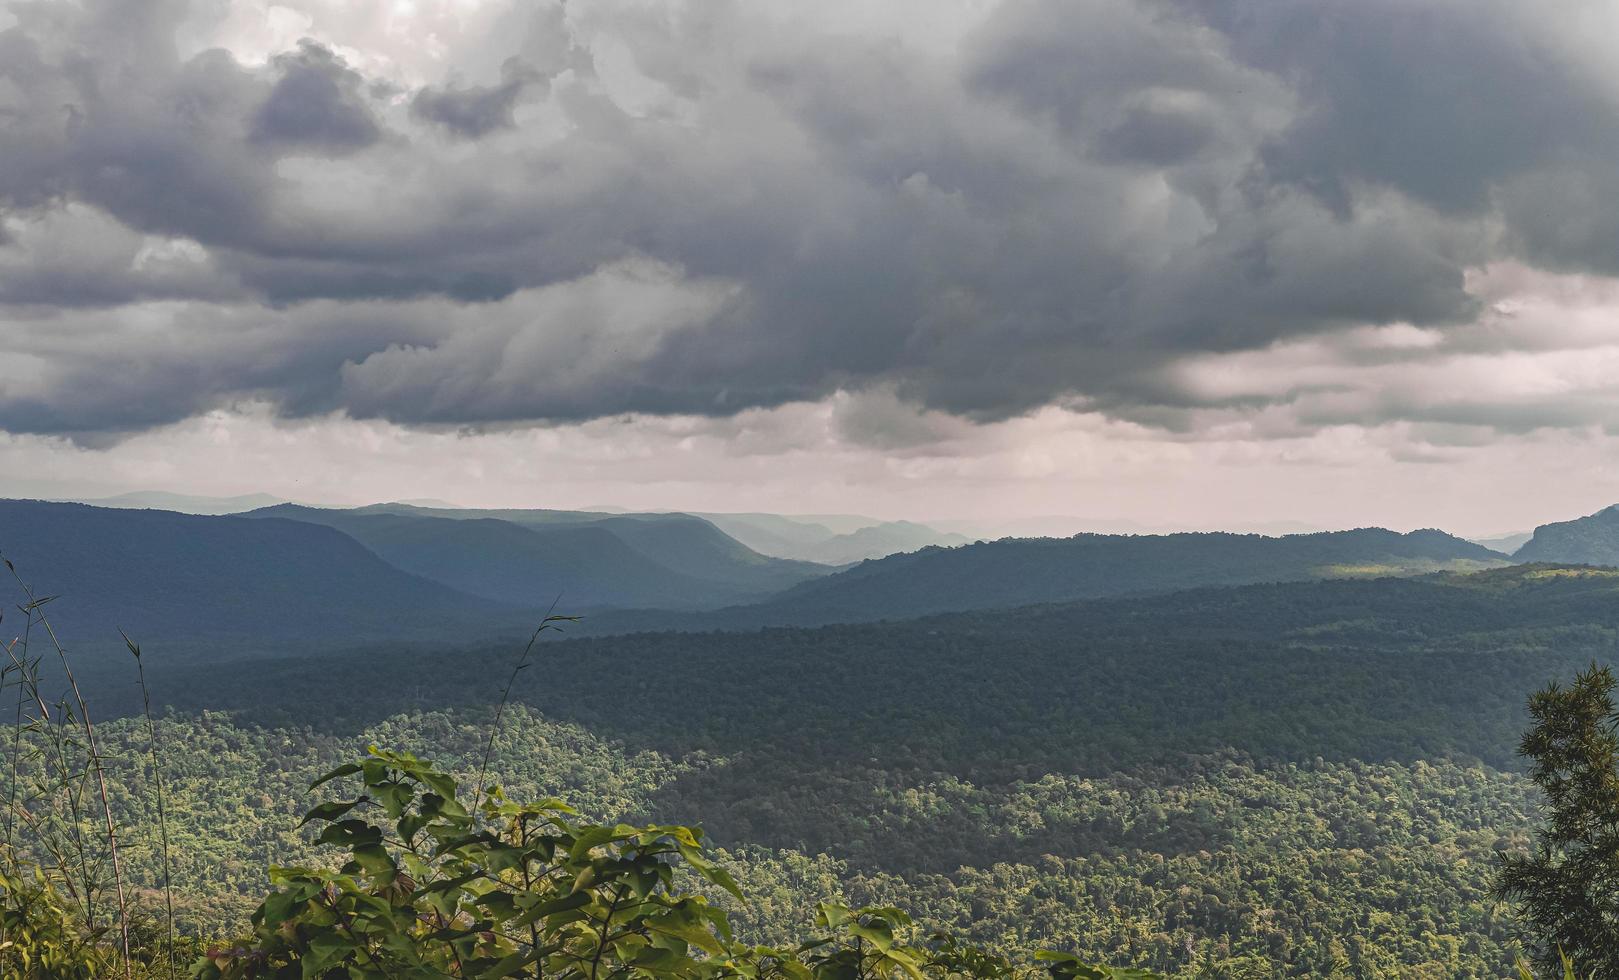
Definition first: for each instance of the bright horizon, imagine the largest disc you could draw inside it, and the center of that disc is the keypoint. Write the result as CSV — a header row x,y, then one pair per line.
x,y
226,455
990,523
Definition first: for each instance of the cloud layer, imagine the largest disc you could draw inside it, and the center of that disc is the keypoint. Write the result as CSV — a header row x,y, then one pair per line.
x,y
1190,216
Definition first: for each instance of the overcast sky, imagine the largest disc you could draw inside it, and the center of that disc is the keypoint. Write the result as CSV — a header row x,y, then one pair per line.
x,y
1202,263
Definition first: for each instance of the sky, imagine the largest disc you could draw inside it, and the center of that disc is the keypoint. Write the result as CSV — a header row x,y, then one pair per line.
x,y
1181,263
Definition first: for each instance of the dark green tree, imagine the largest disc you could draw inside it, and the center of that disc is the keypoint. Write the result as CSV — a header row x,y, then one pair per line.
x,y
1568,886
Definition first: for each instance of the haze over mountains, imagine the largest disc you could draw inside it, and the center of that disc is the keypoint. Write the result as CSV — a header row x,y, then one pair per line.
x,y
183,503
391,571
529,558
832,540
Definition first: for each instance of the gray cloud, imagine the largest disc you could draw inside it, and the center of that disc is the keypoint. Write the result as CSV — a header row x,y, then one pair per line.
x,y
1444,99
477,110
317,104
76,258
709,212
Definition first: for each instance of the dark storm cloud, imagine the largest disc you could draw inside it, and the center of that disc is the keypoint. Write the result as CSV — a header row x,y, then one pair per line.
x,y
317,104
1444,99
1085,193
113,120
477,110
1159,137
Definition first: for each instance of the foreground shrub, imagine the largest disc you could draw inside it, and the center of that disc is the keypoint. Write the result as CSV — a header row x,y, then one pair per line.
x,y
432,887
41,936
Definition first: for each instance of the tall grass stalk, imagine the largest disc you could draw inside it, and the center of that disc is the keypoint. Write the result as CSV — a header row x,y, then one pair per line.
x,y
70,779
28,692
59,772
551,622
35,607
11,792
16,741
162,811
27,684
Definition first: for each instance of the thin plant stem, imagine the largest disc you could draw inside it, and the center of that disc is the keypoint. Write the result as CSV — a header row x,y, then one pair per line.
x,y
95,762
72,787
16,742
550,622
27,685
157,782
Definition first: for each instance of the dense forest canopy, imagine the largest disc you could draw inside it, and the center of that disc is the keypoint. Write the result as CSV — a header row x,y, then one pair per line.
x,y
1297,778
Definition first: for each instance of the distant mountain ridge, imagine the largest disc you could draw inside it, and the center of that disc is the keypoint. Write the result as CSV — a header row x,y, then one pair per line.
x,y
1028,571
1506,544
183,503
832,540
1589,540
881,540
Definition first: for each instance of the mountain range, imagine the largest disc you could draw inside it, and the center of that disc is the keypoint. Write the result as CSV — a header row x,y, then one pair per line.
x,y
393,571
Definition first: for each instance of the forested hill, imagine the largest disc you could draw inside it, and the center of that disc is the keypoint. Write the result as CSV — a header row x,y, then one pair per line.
x,y
1377,669
1025,571
1591,540
227,584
